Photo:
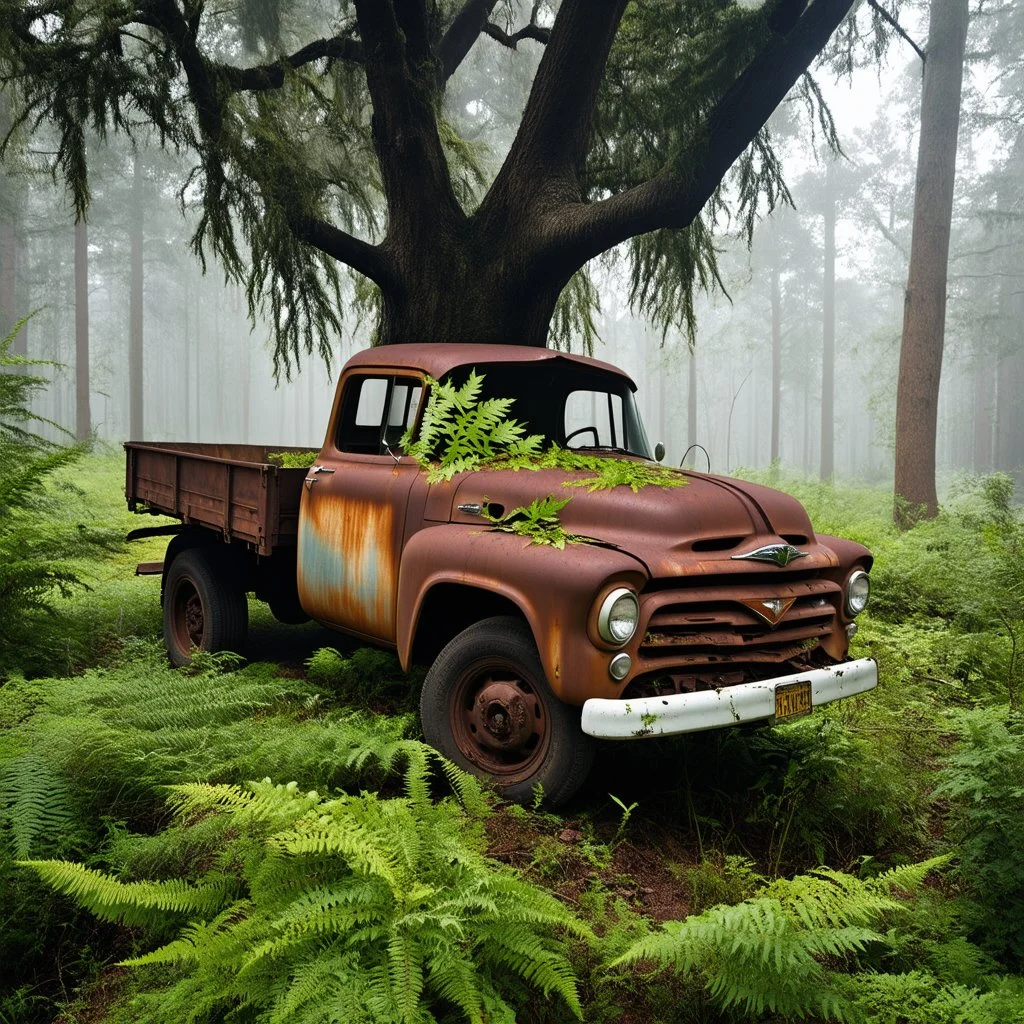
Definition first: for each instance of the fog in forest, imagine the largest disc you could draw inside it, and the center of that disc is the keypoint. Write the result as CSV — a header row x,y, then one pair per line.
x,y
208,373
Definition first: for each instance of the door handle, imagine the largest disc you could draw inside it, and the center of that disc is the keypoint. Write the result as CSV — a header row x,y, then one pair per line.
x,y
323,469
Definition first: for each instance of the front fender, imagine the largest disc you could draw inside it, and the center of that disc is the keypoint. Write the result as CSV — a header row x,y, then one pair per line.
x,y
554,589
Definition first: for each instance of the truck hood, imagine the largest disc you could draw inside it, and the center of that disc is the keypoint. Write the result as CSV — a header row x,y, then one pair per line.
x,y
697,528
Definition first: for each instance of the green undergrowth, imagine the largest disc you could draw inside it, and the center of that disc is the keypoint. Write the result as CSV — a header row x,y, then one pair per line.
x,y
745,875
293,460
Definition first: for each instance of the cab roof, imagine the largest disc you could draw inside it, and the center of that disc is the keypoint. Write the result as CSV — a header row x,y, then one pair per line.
x,y
439,359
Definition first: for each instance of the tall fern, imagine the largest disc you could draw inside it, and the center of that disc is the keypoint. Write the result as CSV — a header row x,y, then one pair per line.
x,y
777,952
29,576
353,908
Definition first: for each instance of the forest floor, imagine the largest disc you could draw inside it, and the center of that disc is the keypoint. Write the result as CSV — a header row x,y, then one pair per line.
x,y
663,831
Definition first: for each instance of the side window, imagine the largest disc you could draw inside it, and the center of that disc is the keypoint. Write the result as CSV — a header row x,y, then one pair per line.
x,y
375,412
593,419
372,396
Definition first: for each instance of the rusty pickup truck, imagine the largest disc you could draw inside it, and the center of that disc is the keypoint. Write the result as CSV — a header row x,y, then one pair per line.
x,y
689,607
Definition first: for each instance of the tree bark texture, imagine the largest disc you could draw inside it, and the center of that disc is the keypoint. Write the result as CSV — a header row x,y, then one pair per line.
x,y
136,357
83,417
924,315
828,334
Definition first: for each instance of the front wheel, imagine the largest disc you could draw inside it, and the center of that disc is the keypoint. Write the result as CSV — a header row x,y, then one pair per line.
x,y
487,706
204,607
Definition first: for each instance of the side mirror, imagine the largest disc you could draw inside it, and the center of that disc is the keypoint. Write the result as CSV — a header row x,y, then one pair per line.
x,y
659,452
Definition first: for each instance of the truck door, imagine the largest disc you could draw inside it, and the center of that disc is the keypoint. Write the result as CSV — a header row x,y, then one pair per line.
x,y
352,517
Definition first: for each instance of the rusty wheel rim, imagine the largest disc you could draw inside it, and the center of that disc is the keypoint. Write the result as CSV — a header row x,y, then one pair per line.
x,y
499,721
189,620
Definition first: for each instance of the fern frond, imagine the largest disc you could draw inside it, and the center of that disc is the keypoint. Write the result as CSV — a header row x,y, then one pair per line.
x,y
768,953
128,902
35,802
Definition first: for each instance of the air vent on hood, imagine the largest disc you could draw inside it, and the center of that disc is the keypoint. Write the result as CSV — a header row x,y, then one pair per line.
x,y
794,538
716,544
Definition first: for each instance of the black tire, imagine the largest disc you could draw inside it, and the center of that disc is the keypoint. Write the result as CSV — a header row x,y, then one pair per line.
x,y
204,605
487,706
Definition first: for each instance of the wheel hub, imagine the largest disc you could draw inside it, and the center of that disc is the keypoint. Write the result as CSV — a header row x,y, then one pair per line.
x,y
194,619
503,716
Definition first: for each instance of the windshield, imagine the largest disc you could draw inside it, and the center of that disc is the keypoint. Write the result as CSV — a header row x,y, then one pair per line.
x,y
571,405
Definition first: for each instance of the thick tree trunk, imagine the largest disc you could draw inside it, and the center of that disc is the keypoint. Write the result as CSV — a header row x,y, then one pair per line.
x,y
924,316
83,418
471,287
136,387
828,336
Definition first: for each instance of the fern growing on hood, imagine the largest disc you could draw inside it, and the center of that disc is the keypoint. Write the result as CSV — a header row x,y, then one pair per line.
x,y
539,522
352,908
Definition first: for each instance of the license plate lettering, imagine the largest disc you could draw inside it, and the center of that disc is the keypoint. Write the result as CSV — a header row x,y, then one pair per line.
x,y
793,699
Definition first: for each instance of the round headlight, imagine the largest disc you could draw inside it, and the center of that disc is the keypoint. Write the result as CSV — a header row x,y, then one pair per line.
x,y
618,617
858,589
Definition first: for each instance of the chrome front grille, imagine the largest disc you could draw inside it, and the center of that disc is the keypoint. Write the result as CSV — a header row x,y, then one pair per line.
x,y
699,625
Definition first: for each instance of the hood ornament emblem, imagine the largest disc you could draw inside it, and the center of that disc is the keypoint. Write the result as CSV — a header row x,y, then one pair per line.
x,y
777,554
771,609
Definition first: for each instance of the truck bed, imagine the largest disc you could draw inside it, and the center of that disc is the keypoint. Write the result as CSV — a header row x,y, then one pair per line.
x,y
231,488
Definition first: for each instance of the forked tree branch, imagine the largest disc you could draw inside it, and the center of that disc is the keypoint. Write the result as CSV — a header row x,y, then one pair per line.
x,y
271,76
674,197
202,84
533,31
417,183
361,256
551,144
463,32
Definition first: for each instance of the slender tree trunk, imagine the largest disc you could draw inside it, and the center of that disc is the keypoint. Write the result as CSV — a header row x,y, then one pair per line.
x,y
924,316
984,402
9,245
8,274
776,355
83,418
828,347
691,405
136,356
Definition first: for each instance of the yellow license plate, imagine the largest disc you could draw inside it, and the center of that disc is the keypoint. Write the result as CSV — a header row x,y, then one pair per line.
x,y
792,699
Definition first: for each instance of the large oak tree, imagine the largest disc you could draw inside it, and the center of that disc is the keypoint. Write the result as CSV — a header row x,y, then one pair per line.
x,y
322,141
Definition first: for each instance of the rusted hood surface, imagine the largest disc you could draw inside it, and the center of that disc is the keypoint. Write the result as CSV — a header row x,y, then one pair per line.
x,y
697,528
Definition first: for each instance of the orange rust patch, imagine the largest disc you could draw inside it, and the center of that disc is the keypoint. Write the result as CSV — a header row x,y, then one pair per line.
x,y
348,572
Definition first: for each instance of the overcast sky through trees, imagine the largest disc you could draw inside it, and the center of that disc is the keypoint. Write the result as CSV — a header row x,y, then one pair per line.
x,y
208,376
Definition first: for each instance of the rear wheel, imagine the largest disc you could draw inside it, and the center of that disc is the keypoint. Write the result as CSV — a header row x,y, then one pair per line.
x,y
487,706
204,605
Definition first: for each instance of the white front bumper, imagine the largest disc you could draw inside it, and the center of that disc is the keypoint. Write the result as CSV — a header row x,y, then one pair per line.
x,y
714,709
